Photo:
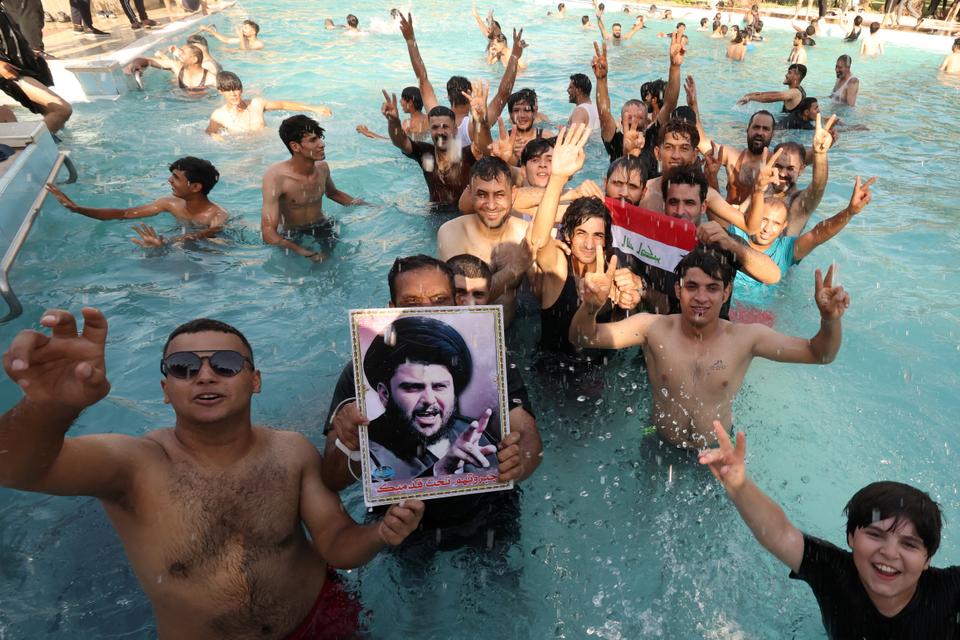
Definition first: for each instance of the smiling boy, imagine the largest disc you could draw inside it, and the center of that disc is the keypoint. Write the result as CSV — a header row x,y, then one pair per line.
x,y
884,588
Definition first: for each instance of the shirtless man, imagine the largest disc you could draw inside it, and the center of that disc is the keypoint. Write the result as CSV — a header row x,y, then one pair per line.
x,y
247,35
798,55
561,11
951,64
211,512
447,162
523,109
191,179
293,191
417,126
790,164
790,97
742,165
458,85
188,69
871,45
846,88
491,234
616,31
239,115
696,362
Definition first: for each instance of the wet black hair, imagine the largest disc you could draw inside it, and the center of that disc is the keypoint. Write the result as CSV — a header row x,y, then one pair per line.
x,y
581,210
561,6
724,29
716,25
197,170
198,50
256,27
874,27
582,83
616,24
352,21
229,81
196,38
799,68
791,146
456,85
956,44
703,21
758,26
294,128
804,104
536,148
680,24
684,112
630,164
712,260
654,89
601,7
418,339
857,21
441,110
810,30
201,325
470,266
882,500
689,175
412,94
491,168
526,95
761,112
679,127
584,19
415,263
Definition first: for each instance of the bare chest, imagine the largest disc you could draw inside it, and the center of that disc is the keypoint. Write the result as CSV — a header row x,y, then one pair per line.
x,y
303,191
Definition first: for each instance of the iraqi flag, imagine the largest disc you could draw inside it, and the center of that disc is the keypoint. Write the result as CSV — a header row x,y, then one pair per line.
x,y
654,238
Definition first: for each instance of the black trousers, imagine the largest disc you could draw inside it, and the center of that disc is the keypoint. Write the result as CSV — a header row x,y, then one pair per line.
x,y
28,16
137,17
80,13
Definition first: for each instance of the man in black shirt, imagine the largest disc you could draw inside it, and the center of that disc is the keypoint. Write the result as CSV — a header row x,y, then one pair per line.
x,y
885,588
422,281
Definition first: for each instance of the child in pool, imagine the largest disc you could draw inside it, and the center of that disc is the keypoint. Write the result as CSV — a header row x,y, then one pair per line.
x,y
884,587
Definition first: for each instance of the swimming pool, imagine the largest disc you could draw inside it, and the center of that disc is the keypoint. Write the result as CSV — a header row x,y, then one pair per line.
x,y
621,538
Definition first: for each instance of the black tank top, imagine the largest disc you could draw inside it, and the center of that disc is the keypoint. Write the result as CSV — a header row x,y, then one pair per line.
x,y
555,320
803,95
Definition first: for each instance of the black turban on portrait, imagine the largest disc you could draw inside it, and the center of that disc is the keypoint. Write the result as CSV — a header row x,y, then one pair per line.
x,y
418,339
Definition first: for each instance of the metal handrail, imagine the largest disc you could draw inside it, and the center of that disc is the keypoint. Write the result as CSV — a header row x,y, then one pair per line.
x,y
13,304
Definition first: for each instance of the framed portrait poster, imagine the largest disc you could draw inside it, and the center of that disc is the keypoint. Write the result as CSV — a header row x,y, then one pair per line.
x,y
433,384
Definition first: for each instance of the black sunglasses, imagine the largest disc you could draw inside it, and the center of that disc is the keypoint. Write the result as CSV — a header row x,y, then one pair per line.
x,y
186,364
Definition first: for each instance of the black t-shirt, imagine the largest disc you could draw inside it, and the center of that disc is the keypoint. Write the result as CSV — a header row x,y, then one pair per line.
x,y
848,613
794,121
445,188
615,149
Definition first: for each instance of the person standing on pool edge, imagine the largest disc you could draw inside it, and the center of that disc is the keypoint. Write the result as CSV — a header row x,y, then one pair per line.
x,y
213,513
884,587
293,191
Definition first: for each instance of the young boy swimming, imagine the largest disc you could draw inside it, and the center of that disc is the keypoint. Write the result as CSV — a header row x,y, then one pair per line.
x,y
884,588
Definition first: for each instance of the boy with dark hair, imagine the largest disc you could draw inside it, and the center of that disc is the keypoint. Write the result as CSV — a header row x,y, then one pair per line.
x,y
191,179
293,192
239,115
884,587
790,97
471,279
585,112
247,35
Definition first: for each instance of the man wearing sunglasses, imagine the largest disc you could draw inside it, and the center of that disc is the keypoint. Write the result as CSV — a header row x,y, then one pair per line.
x,y
481,520
212,511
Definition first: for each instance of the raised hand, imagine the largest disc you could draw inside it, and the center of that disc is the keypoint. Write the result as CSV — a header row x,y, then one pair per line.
x,y
599,62
568,156
63,369
727,463
503,147
768,173
478,100
466,449
589,189
832,301
400,521
690,88
346,424
634,137
406,27
822,136
61,197
676,50
714,160
861,196
596,285
389,109
519,44
627,289
149,238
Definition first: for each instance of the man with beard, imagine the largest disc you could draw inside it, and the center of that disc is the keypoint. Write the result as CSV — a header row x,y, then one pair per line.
x,y
585,112
445,164
491,234
696,361
522,107
479,520
846,88
293,192
742,165
790,97
789,165
419,368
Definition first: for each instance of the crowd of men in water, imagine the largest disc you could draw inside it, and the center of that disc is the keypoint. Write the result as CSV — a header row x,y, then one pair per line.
x,y
232,558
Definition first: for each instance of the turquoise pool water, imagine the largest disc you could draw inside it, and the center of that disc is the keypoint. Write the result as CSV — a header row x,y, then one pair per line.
x,y
621,538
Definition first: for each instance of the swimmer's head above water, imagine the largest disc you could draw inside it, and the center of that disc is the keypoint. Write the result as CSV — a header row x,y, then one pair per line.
x,y
626,179
522,108
684,190
230,87
585,228
471,279
704,283
536,160
443,126
410,100
190,174
303,136
456,86
491,186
